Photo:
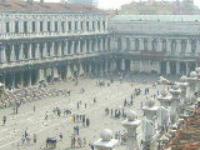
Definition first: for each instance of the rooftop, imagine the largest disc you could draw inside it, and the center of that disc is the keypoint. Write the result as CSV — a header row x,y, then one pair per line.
x,y
157,18
46,7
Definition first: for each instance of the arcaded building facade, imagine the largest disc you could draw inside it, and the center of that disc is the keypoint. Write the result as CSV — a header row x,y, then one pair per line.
x,y
42,41
167,44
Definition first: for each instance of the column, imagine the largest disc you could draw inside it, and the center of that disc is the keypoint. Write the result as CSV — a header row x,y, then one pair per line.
x,y
149,44
37,51
141,45
59,49
55,72
29,51
178,47
187,68
168,67
12,55
21,51
81,71
178,68
13,80
3,53
66,48
105,140
72,47
168,46
69,73
123,67
188,47
197,49
52,54
78,46
45,50
131,124
159,46
41,76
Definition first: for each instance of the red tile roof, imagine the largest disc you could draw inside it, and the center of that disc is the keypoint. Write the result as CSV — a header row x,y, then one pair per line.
x,y
23,6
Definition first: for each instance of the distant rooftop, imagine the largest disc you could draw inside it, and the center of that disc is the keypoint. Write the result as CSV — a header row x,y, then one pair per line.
x,y
164,7
160,18
30,6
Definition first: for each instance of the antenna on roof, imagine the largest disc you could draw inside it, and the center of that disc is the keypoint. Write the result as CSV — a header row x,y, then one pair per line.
x,y
41,1
30,1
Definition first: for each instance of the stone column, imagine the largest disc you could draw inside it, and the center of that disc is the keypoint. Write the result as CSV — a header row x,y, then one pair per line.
x,y
159,46
178,47
198,48
81,71
123,67
168,46
13,80
12,55
59,49
72,47
131,124
149,44
2,54
69,73
106,142
21,52
178,68
66,48
168,67
52,54
45,50
55,72
188,47
37,51
78,47
141,41
29,51
41,75
174,111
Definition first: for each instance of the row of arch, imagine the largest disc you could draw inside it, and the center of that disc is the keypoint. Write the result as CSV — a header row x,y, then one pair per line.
x,y
158,45
59,48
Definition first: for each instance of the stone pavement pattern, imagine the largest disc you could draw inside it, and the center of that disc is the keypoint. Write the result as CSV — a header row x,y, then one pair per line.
x,y
112,97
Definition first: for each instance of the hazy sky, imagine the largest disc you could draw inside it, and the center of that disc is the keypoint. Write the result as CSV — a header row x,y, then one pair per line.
x,y
117,3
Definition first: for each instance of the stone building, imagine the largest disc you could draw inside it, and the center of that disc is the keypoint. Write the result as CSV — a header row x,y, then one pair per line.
x,y
41,41
165,44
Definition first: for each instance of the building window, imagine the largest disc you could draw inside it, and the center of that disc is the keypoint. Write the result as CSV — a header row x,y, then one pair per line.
x,y
69,26
16,27
164,45
69,47
33,26
76,25
99,25
104,25
93,25
7,27
128,44
25,51
33,50
41,46
119,44
25,27
41,26
82,26
49,26
63,26
56,26
88,26
193,46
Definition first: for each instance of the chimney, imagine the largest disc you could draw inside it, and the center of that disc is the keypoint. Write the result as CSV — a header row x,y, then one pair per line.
x,y
41,1
30,1
62,1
